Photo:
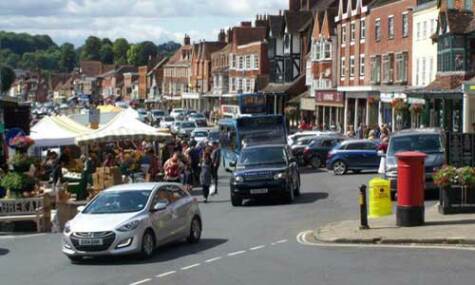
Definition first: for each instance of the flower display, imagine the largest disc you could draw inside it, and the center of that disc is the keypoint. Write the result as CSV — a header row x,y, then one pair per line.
x,y
21,142
446,176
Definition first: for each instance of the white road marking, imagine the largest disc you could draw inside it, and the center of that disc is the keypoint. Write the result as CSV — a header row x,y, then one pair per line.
x,y
213,259
141,281
302,239
191,266
236,253
165,274
281,241
257,247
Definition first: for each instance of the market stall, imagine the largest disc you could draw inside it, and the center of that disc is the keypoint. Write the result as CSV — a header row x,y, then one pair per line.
x,y
56,132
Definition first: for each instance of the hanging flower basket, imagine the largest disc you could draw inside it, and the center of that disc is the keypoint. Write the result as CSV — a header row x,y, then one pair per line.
x,y
399,105
416,108
21,142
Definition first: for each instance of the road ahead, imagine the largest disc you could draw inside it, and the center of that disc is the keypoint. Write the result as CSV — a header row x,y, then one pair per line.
x,y
253,244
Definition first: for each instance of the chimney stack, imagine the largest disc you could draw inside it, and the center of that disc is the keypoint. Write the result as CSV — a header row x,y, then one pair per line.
x,y
222,36
294,5
187,40
246,24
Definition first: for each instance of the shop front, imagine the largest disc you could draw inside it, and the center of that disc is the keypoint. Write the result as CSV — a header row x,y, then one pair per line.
x,y
361,108
330,109
307,108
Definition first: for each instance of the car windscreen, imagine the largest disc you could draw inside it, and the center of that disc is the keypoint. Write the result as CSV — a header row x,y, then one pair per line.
x,y
169,119
261,156
158,113
420,142
118,202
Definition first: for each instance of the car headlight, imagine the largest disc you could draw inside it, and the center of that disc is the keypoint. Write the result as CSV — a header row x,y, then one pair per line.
x,y
238,179
130,226
67,228
281,175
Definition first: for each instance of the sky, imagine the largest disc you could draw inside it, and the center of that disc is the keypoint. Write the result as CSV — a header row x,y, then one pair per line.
x,y
136,20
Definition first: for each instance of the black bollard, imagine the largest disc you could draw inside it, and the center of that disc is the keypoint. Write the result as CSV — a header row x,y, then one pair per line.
x,y
363,209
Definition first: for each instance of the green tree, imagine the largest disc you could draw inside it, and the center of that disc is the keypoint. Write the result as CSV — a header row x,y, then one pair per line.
x,y
9,58
133,54
120,48
148,50
7,78
106,41
68,59
107,54
91,49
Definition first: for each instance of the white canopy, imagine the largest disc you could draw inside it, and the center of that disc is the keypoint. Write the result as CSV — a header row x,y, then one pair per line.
x,y
56,131
124,126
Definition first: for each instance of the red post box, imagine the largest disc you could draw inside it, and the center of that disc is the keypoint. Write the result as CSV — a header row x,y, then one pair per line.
x,y
410,189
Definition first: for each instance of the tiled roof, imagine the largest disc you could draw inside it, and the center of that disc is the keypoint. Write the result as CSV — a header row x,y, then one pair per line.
x,y
158,65
446,83
296,20
459,21
379,3
177,56
276,23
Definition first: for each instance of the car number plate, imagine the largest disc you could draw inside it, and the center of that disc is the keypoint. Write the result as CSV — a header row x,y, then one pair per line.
x,y
91,241
259,191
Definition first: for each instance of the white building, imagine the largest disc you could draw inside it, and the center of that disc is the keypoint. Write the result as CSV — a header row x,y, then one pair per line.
x,y
424,57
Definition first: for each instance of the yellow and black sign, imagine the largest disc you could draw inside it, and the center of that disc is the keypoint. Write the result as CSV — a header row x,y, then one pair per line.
x,y
379,198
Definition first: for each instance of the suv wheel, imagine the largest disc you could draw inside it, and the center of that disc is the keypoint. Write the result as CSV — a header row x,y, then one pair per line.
x,y
315,162
236,201
339,167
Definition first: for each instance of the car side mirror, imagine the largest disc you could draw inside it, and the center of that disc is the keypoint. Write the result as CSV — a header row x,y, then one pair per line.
x,y
381,153
80,209
160,206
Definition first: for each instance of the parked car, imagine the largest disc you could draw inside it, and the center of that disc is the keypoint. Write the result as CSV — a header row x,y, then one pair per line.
x,y
263,171
354,155
142,114
186,128
158,115
175,128
178,113
195,116
132,218
428,141
292,139
316,152
167,122
298,148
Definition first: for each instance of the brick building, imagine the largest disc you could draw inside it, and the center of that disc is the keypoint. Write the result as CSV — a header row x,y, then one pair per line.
x,y
352,32
177,74
155,80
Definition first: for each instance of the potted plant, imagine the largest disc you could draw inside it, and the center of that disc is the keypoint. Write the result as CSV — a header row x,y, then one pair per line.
x,y
445,178
466,179
13,182
21,162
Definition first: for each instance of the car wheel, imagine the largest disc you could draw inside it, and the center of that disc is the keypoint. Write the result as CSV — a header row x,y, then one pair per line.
x,y
236,201
315,162
339,167
148,245
75,259
289,196
195,230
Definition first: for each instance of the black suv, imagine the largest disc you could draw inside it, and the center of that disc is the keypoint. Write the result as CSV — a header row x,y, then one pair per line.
x,y
265,170
315,154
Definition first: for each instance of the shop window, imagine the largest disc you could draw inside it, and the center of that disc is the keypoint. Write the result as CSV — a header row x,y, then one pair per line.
x,y
377,29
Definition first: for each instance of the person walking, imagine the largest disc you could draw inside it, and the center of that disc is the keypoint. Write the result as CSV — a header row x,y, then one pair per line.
x,y
205,174
215,163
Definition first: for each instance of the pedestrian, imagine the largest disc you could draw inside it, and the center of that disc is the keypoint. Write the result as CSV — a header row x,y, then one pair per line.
x,y
205,174
360,132
86,177
216,162
194,157
173,168
110,161
155,166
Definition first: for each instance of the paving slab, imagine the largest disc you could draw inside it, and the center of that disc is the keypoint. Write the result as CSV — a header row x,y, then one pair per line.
x,y
438,229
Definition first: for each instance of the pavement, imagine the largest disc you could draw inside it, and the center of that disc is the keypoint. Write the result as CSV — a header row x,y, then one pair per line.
x,y
438,229
254,244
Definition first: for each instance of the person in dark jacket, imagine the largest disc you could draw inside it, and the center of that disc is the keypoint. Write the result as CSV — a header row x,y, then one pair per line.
x,y
216,162
205,174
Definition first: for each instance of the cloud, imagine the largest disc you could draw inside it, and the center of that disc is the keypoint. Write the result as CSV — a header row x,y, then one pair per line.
x,y
136,20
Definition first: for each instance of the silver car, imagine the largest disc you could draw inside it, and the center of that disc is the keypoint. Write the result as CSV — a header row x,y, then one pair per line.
x,y
132,219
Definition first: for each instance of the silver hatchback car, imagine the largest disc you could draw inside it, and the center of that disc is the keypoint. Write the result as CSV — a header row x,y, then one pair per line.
x,y
132,218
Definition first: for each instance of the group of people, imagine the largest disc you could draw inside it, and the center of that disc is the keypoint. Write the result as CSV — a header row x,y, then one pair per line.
x,y
193,164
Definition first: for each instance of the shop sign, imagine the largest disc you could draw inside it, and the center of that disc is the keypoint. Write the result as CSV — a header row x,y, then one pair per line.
x,y
329,97
389,97
307,104
230,109
418,101
20,206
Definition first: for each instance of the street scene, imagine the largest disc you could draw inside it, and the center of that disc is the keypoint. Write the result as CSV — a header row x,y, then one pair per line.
x,y
272,142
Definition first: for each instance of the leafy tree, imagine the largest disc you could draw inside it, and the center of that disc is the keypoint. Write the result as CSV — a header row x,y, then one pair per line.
x,y
133,54
91,49
107,54
120,48
9,58
106,41
68,58
7,78
147,50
